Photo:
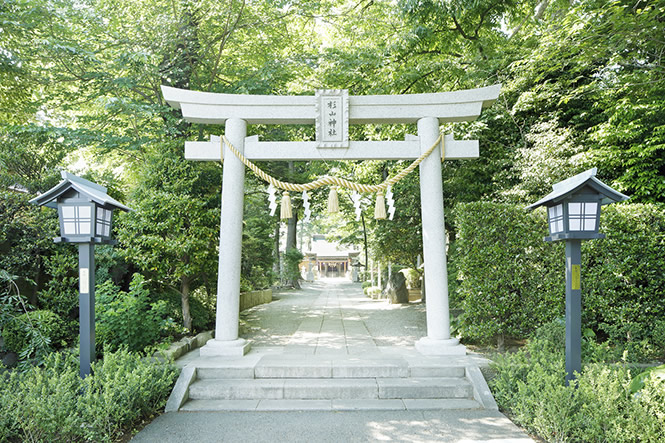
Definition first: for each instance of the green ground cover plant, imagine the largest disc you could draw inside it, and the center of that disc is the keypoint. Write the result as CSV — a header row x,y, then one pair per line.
x,y
51,403
599,406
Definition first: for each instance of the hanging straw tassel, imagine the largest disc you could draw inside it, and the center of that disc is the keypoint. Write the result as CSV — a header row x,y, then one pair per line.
x,y
285,208
380,207
333,201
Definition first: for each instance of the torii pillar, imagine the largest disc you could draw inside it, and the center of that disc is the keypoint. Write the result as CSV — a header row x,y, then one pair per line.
x,y
427,110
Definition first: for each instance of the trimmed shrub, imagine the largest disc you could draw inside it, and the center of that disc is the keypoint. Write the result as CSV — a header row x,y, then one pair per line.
x,y
623,279
52,403
60,294
41,325
511,281
510,278
598,406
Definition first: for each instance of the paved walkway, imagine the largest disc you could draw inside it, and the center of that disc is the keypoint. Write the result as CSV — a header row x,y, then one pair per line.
x,y
333,318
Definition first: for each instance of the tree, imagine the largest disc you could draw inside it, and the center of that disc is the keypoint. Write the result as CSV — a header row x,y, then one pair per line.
x,y
172,234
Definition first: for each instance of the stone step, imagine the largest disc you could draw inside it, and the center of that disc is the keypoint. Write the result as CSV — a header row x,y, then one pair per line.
x,y
297,366
329,389
330,405
430,370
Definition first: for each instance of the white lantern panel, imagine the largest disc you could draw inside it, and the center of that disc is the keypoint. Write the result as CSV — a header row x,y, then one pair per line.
x,y
556,218
69,211
575,224
70,228
84,227
591,209
582,216
107,215
574,209
85,212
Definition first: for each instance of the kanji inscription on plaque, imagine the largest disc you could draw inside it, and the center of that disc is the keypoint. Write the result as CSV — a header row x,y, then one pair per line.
x,y
332,118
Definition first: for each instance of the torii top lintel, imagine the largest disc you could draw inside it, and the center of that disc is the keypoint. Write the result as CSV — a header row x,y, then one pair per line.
x,y
215,108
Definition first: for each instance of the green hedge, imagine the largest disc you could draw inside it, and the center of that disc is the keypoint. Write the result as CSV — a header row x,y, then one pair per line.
x,y
51,403
511,281
509,277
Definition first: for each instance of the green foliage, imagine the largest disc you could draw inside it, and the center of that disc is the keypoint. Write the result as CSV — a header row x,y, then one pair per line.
x,y
26,236
413,278
624,279
124,387
128,319
366,284
639,381
60,294
598,406
512,281
52,403
292,259
33,333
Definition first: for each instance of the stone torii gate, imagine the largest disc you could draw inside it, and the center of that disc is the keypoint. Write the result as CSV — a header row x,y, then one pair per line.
x,y
332,111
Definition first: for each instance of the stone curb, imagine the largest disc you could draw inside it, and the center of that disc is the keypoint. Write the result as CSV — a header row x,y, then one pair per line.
x,y
180,393
481,391
183,346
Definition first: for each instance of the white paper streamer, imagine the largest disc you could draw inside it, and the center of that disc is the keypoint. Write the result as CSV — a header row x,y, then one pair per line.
x,y
355,197
305,205
391,202
272,198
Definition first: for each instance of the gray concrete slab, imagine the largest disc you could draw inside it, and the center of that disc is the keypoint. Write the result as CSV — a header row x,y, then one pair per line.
x,y
461,426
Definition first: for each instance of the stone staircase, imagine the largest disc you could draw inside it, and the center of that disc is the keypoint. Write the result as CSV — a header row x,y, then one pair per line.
x,y
337,382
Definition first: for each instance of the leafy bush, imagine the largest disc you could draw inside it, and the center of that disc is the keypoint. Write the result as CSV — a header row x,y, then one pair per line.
x,y
512,281
624,279
598,406
128,319
60,294
52,403
372,291
366,284
33,332
412,277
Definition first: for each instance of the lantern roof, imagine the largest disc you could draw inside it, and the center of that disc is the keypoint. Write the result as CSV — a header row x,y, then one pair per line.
x,y
568,187
93,191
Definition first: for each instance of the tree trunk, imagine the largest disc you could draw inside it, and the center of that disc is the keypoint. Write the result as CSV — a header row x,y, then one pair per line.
x,y
501,343
291,243
275,265
184,296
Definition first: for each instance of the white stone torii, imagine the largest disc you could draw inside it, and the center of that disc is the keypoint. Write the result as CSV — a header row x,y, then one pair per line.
x,y
236,111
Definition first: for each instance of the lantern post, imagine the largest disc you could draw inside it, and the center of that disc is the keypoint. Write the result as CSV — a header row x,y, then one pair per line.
x,y
573,215
85,213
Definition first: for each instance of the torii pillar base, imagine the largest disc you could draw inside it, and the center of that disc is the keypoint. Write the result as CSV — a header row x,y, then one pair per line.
x,y
224,348
429,346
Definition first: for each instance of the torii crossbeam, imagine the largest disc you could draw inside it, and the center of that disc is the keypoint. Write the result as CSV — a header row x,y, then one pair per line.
x,y
332,111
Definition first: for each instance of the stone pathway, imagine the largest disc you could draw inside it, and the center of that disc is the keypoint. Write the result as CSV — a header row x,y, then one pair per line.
x,y
332,317
329,364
